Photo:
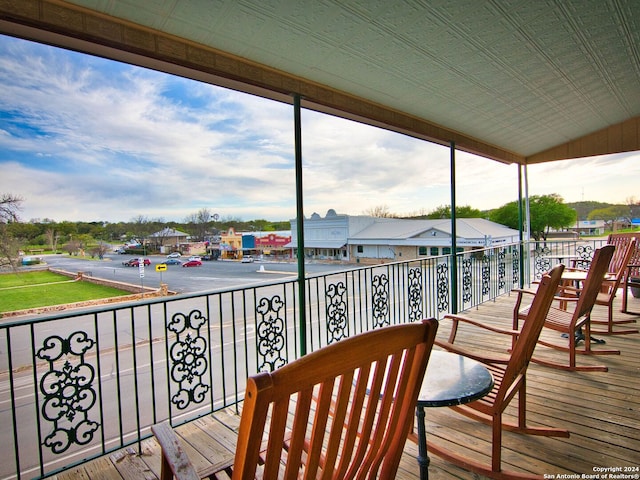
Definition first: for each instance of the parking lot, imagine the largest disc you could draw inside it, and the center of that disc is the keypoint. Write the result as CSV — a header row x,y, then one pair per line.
x,y
211,275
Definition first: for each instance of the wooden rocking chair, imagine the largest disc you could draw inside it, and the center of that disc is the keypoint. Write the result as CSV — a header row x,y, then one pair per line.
x,y
509,372
344,410
624,265
617,271
575,325
631,280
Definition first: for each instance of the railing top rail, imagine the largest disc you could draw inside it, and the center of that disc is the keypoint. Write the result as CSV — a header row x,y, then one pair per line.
x,y
95,310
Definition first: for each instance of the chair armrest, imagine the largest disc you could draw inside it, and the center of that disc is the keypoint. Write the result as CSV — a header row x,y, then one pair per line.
x,y
516,307
523,291
475,355
567,292
503,331
575,269
457,319
174,459
581,261
566,299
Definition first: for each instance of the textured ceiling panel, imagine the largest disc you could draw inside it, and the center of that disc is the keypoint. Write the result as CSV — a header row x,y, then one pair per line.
x,y
522,75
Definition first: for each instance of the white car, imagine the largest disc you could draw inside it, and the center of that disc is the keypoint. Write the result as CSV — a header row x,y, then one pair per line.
x,y
247,259
195,257
174,255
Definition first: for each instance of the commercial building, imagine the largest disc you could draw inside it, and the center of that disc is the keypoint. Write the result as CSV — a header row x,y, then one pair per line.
x,y
366,239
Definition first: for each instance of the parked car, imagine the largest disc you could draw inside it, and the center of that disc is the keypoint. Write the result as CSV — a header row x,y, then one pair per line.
x,y
174,255
195,257
247,259
192,263
172,261
135,262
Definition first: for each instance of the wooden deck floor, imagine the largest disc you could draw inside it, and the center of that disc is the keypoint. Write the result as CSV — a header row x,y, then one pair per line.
x,y
601,410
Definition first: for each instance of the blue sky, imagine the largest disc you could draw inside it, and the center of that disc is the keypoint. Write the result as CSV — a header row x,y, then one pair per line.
x,y
87,139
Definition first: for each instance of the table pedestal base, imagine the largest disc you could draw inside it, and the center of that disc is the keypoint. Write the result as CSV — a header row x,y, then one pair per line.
x,y
423,458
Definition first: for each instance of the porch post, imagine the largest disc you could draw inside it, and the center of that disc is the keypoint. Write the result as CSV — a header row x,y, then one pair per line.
x,y
454,234
527,223
297,121
521,226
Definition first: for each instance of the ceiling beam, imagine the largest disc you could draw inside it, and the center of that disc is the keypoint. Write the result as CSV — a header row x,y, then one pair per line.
x,y
621,137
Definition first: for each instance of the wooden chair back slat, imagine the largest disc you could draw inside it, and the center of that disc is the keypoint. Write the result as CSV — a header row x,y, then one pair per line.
x,y
364,394
299,430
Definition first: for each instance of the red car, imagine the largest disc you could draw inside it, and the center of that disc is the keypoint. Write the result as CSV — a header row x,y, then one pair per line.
x,y
135,262
192,263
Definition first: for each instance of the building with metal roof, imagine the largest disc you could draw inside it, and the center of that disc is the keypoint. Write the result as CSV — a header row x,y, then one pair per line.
x,y
361,238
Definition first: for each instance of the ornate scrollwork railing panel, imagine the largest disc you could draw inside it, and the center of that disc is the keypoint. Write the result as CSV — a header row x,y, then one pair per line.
x,y
467,283
541,262
336,308
415,291
188,358
586,254
502,269
380,300
442,273
68,391
271,334
486,275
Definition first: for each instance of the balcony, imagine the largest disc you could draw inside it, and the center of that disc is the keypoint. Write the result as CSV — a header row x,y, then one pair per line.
x,y
80,389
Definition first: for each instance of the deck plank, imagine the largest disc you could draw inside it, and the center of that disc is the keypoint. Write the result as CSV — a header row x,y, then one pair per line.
x,y
600,409
130,464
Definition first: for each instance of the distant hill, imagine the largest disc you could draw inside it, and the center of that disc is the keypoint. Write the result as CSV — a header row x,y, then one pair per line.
x,y
586,207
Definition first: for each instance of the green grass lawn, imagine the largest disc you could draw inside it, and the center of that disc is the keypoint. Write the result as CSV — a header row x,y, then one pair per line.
x,y
42,289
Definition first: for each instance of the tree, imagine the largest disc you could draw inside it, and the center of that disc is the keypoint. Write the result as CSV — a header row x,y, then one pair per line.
x,y
261,225
141,227
72,247
610,214
546,212
99,250
634,208
583,208
381,211
507,214
199,223
52,238
462,211
10,205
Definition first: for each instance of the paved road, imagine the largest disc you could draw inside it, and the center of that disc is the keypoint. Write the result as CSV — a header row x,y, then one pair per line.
x,y
210,276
